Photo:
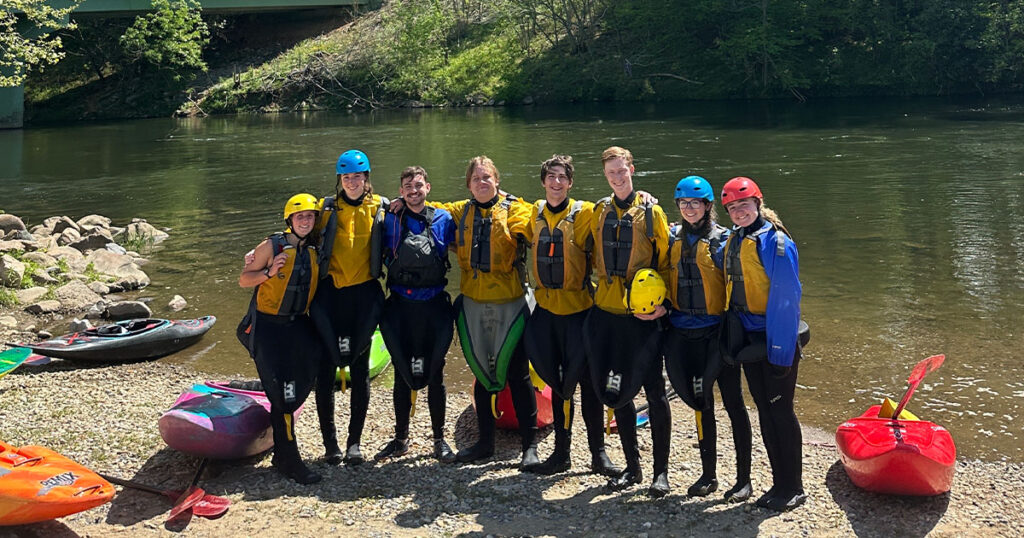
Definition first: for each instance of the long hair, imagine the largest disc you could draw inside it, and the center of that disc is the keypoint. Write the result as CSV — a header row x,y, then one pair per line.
x,y
771,216
705,224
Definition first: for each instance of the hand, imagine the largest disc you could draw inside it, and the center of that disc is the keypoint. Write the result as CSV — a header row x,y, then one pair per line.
x,y
658,312
277,264
779,372
397,205
249,257
646,197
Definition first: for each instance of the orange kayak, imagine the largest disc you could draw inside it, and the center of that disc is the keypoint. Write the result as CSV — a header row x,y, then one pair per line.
x,y
38,484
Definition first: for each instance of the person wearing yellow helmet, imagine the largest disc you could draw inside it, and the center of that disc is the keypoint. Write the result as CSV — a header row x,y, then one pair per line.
x,y
349,302
691,346
284,270
561,258
622,345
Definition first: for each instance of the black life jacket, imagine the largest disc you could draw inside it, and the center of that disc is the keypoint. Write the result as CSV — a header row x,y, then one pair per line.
x,y
690,295
417,261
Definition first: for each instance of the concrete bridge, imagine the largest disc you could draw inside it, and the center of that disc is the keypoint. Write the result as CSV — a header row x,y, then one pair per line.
x,y
12,100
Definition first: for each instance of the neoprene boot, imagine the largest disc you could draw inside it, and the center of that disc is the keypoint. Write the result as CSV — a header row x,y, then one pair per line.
x,y
626,479
739,493
708,481
353,456
484,448
559,461
601,464
660,487
442,452
530,460
394,449
286,457
782,500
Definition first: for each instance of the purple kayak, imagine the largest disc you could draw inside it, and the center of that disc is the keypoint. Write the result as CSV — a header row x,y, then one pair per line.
x,y
217,421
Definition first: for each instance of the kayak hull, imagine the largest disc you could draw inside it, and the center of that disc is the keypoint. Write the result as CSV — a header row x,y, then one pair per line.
x,y
131,340
507,412
902,457
213,420
12,358
38,484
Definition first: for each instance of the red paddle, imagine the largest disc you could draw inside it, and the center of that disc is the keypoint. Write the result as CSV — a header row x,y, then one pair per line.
x,y
210,506
916,375
191,496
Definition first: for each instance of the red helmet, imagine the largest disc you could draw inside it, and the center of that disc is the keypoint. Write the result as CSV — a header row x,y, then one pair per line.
x,y
739,188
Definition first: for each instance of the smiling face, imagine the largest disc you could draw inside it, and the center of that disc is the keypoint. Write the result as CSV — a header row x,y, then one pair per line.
x,y
620,177
414,192
354,184
483,183
743,212
692,209
556,185
302,222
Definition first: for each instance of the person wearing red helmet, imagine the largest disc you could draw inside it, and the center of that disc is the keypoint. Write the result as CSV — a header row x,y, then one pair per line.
x,y
760,331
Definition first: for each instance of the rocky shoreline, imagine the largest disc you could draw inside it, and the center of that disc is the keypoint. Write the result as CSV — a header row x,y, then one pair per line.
x,y
105,417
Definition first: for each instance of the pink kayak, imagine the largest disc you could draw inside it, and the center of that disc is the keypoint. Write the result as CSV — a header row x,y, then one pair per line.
x,y
217,421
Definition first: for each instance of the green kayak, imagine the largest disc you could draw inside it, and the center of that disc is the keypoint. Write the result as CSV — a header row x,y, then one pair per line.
x,y
12,358
379,358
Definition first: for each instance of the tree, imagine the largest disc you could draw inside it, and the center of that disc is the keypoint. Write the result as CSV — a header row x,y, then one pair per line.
x,y
29,45
168,40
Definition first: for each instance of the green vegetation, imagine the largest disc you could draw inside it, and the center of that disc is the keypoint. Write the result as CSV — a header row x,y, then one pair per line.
x,y
28,46
458,52
7,297
168,41
142,244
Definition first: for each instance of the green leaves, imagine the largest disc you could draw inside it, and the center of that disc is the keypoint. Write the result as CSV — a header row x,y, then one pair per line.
x,y
27,44
169,39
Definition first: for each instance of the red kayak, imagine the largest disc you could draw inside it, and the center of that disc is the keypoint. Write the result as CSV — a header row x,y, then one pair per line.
x,y
507,412
898,457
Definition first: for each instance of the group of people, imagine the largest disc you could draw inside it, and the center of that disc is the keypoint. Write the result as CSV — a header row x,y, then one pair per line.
x,y
696,300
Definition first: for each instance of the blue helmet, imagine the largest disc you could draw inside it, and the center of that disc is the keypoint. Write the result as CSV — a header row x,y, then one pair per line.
x,y
694,187
353,161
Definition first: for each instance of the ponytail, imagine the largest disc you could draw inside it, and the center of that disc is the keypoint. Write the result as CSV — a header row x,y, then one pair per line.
x,y
771,216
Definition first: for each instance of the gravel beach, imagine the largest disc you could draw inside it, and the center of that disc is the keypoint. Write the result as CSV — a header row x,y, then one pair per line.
x,y
106,418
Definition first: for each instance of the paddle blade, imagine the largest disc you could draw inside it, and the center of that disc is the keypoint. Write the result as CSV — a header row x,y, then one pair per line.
x,y
209,506
925,367
38,360
187,500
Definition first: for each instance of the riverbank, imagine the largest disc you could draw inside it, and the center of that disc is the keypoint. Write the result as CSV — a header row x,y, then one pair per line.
x,y
105,418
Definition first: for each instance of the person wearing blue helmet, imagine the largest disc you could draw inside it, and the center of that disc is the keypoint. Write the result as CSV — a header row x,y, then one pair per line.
x,y
691,346
348,304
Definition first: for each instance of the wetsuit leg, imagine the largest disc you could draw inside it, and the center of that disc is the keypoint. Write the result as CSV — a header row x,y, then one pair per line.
x,y
661,416
593,416
437,400
360,400
732,399
786,438
484,417
625,419
523,398
360,324
326,375
402,398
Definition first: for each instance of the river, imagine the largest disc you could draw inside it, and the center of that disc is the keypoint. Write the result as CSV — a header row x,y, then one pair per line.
x,y
909,217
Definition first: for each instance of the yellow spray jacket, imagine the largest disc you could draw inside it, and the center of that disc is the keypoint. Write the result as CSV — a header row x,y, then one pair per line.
x,y
624,242
560,244
355,253
487,247
290,291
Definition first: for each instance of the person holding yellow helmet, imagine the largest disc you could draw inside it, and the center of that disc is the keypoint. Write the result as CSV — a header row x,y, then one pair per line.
x,y
624,346
761,330
285,273
349,302
691,345
561,249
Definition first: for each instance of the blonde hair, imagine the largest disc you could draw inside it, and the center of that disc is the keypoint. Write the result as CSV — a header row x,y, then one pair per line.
x,y
616,152
771,216
482,161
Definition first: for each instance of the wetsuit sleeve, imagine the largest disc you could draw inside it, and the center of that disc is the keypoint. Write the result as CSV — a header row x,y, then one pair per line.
x,y
392,225
444,227
661,243
782,317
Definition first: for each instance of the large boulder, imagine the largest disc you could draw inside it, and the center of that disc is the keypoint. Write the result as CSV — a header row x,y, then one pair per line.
x,y
76,296
11,271
43,307
41,259
10,222
128,310
11,246
72,256
97,238
93,221
126,273
8,322
177,303
68,236
64,223
20,235
141,231
30,295
40,276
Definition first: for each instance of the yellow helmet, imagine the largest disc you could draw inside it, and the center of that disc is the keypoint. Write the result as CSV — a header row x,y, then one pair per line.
x,y
300,202
646,292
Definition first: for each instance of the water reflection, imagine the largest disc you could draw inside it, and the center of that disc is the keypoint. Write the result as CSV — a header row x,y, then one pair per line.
x,y
908,216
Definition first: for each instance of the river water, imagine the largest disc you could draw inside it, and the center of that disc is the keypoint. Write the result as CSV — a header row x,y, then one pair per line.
x,y
909,217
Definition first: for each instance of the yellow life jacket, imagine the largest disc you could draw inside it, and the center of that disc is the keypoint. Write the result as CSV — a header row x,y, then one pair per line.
x,y
490,246
746,282
558,261
290,291
626,243
352,240
696,285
